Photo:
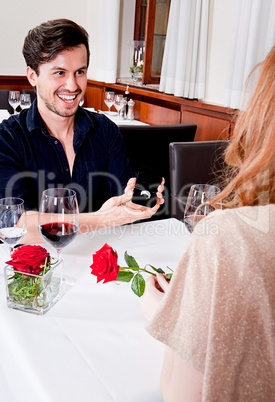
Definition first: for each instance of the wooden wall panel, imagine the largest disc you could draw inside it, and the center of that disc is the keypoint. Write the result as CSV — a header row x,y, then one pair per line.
x,y
153,114
14,83
208,127
153,107
94,97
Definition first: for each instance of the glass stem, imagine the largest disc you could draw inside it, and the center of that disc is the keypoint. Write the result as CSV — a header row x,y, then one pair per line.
x,y
58,254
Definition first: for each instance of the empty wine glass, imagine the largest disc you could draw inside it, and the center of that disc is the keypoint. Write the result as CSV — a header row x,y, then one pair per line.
x,y
25,101
197,204
119,103
13,221
58,217
109,99
14,99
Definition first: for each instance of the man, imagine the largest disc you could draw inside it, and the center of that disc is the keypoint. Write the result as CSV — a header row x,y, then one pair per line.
x,y
58,144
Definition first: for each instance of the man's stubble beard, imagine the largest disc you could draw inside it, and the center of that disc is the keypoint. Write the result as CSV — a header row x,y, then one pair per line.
x,y
55,110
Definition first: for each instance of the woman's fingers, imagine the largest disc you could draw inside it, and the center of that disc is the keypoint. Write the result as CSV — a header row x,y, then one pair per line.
x,y
150,282
159,282
162,282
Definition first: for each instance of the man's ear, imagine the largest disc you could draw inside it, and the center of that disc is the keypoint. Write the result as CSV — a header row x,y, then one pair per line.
x,y
32,76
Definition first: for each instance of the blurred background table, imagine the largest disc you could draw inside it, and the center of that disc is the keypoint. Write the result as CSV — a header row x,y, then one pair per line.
x,y
119,121
4,114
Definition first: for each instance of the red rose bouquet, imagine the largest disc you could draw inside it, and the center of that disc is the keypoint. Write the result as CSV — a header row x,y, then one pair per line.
x,y
105,268
30,264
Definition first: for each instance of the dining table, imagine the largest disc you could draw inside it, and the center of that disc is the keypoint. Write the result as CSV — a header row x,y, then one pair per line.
x,y
119,121
92,345
4,114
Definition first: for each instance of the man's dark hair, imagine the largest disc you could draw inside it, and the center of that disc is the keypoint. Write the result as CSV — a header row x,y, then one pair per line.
x,y
45,41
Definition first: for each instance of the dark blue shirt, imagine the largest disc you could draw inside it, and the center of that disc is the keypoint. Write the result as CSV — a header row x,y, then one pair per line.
x,y
31,160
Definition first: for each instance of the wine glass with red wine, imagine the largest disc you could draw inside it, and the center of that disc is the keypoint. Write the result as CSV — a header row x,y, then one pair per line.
x,y
58,217
197,204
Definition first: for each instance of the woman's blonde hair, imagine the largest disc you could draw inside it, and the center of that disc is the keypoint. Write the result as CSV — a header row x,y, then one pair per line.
x,y
250,155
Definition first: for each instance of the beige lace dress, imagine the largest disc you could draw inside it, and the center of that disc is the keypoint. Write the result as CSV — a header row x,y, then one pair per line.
x,y
219,311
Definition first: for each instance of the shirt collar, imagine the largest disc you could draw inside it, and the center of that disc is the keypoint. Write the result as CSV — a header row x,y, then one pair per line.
x,y
83,120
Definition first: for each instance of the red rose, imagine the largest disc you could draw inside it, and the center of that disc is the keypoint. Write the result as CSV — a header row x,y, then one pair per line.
x,y
104,264
29,259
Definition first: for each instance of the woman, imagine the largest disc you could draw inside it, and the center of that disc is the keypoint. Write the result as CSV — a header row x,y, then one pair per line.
x,y
217,315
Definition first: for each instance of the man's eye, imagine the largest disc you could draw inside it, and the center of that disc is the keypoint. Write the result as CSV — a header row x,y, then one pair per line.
x,y
59,73
80,72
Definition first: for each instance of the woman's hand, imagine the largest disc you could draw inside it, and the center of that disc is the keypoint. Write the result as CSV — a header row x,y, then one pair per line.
x,y
121,210
155,288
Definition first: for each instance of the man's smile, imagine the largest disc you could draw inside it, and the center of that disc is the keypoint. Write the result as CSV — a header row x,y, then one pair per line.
x,y
67,98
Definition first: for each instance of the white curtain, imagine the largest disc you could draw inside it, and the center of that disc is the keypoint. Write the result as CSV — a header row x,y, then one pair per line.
x,y
184,61
253,37
107,43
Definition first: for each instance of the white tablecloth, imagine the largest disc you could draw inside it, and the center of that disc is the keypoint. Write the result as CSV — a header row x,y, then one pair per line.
x,y
92,345
119,121
4,114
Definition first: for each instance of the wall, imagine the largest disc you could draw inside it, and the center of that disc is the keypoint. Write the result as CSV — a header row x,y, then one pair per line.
x,y
221,23
222,18
28,13
92,28
17,17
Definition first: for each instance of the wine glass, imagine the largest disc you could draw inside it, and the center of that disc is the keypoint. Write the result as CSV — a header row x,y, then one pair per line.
x,y
197,204
58,217
14,99
25,101
119,103
109,99
13,221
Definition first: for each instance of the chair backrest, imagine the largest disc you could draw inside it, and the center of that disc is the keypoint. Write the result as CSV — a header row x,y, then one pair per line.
x,y
193,163
4,100
147,148
30,92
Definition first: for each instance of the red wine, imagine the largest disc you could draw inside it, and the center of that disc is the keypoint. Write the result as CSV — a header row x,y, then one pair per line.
x,y
59,234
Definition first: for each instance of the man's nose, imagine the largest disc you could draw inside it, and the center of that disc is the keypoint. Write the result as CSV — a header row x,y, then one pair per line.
x,y
71,83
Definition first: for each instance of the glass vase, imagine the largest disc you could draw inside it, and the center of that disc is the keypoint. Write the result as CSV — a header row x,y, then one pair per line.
x,y
33,293
137,48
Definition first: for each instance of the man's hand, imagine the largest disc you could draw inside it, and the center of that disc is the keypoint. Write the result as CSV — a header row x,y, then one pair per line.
x,y
121,210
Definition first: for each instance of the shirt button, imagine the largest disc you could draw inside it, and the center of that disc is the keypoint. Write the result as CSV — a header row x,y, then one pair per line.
x,y
56,142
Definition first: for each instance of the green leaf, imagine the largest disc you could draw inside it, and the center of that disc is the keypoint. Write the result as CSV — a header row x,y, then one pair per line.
x,y
124,276
159,270
130,261
138,285
169,276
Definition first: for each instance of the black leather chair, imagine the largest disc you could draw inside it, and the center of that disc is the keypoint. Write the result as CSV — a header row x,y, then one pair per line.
x,y
193,163
147,148
30,92
4,100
